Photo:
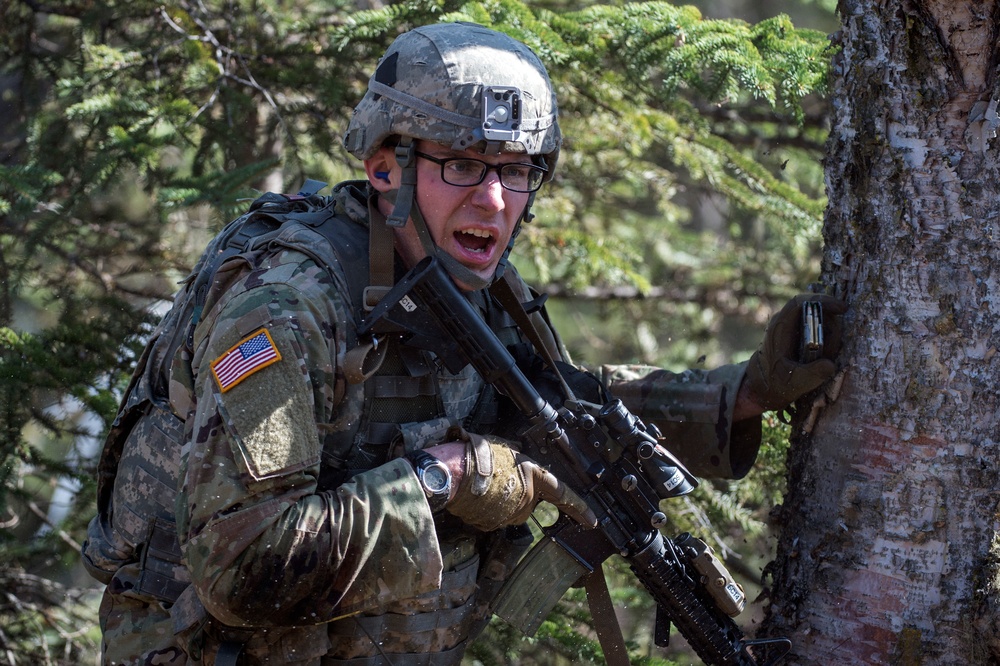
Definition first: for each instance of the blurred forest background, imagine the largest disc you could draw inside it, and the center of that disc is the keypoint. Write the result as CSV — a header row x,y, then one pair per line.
x,y
687,207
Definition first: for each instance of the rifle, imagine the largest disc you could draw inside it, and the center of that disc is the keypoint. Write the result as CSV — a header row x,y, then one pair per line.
x,y
610,458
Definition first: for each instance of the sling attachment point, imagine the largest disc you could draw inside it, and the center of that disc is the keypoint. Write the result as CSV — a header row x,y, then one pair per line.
x,y
536,304
310,187
364,360
372,295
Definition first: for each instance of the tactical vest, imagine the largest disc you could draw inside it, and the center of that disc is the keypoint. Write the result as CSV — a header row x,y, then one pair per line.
x,y
135,519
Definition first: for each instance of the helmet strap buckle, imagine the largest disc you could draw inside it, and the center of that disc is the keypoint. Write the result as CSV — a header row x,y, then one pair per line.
x,y
406,158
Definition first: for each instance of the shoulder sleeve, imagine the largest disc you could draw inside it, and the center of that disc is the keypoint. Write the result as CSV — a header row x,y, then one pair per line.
x,y
250,513
694,411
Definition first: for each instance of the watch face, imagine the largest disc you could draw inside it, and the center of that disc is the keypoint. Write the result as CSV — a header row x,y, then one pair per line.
x,y
435,478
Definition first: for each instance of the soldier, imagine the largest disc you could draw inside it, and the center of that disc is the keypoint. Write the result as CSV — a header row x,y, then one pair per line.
x,y
277,490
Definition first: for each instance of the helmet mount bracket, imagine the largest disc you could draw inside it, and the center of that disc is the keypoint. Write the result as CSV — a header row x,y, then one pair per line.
x,y
501,113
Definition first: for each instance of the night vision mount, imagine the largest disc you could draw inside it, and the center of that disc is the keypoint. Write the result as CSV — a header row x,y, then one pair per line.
x,y
501,113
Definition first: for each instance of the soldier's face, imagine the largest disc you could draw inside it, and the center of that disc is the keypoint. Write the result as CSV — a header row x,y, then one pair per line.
x,y
472,224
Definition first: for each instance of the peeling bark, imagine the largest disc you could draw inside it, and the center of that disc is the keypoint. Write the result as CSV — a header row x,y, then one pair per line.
x,y
889,550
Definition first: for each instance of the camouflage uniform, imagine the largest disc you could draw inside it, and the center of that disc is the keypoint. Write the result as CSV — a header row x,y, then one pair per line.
x,y
301,544
274,554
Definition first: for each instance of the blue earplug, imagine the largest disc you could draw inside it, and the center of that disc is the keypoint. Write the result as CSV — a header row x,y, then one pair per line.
x,y
382,175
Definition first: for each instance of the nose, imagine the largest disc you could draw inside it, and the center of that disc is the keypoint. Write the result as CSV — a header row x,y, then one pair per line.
x,y
490,193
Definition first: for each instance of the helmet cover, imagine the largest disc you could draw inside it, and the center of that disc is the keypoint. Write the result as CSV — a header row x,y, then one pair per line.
x,y
461,85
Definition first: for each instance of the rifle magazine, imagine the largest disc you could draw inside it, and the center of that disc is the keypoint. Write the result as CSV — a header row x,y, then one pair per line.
x,y
537,584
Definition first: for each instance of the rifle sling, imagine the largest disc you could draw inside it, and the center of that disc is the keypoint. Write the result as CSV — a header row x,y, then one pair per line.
x,y
609,633
602,610
381,252
502,290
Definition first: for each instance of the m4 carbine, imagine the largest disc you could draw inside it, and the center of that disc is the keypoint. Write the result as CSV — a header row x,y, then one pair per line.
x,y
610,458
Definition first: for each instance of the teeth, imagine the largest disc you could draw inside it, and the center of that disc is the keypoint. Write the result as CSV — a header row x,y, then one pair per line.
x,y
480,233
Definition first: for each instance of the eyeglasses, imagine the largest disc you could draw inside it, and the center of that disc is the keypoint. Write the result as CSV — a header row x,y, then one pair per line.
x,y
467,172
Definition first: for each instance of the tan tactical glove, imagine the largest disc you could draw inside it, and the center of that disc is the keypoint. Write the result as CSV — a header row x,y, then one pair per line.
x,y
775,374
501,487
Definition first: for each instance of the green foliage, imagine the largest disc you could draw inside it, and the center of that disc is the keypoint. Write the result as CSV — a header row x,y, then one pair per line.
x,y
49,624
136,128
668,77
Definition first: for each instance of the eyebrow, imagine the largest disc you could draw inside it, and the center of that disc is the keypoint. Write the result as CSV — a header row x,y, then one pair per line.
x,y
521,158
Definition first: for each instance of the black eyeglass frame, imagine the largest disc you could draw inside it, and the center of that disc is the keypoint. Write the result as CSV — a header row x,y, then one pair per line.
x,y
499,168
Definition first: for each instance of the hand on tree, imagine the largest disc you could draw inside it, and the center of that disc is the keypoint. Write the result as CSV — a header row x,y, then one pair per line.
x,y
776,375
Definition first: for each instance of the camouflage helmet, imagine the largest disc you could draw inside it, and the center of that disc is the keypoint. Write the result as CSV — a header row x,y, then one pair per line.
x,y
461,85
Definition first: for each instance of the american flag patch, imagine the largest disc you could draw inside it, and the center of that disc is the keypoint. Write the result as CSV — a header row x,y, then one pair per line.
x,y
245,358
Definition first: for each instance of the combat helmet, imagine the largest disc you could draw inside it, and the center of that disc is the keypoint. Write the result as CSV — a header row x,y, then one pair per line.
x,y
464,86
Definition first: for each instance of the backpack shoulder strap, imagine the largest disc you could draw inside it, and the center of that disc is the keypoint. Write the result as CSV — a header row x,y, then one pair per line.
x,y
266,214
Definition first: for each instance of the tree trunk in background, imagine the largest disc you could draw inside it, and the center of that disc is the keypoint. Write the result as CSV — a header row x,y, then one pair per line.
x,y
889,550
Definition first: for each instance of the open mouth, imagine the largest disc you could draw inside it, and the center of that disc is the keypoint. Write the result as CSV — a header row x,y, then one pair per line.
x,y
478,241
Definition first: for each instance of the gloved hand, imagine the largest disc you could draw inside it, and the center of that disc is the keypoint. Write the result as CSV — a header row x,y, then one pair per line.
x,y
501,486
775,375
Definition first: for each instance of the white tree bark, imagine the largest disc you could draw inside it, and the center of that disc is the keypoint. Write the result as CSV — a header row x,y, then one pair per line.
x,y
888,551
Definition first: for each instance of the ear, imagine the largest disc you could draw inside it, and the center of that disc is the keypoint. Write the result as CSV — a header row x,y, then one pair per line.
x,y
382,170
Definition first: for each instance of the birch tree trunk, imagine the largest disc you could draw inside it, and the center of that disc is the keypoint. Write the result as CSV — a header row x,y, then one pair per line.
x,y
889,550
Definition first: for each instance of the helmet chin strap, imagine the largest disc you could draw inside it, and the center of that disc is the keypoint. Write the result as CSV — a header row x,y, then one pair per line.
x,y
404,206
505,257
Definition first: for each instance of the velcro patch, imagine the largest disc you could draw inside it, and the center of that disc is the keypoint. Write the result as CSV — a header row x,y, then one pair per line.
x,y
252,353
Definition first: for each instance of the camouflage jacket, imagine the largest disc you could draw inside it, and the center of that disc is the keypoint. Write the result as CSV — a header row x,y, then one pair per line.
x,y
265,543
250,512
694,411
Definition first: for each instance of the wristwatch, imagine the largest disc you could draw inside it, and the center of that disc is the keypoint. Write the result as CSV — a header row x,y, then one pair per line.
x,y
435,479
